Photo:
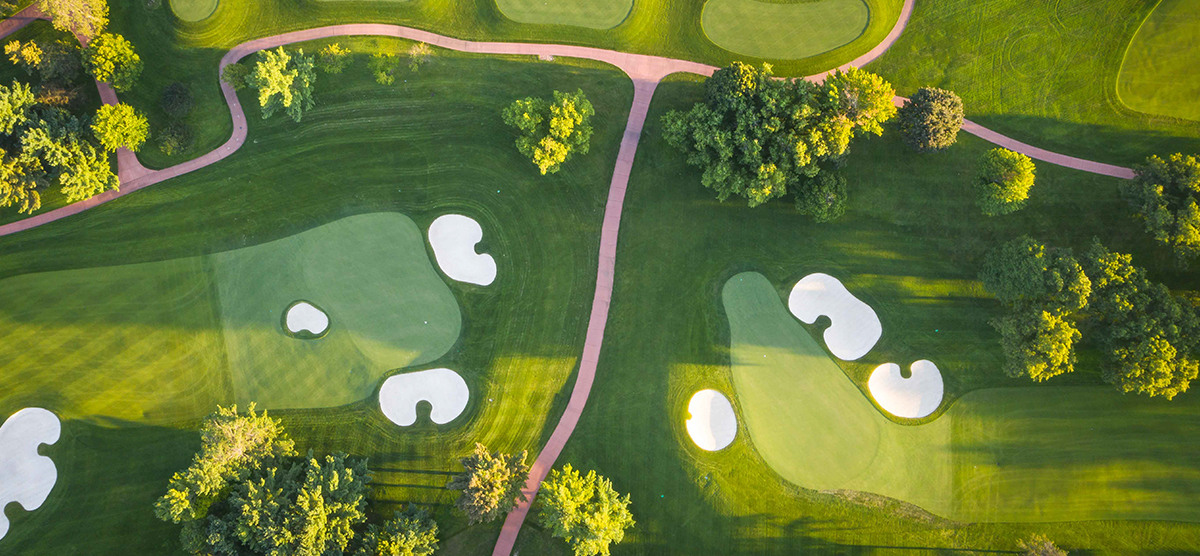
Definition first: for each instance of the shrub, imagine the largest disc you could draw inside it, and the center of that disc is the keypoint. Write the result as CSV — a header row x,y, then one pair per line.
x,y
333,58
1003,180
930,120
235,76
384,67
176,138
177,100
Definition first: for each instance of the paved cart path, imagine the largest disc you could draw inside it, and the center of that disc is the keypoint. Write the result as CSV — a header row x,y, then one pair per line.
x,y
645,71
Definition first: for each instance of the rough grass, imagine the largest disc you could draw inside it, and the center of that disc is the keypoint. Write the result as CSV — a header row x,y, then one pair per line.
x,y
1158,74
596,14
786,31
431,146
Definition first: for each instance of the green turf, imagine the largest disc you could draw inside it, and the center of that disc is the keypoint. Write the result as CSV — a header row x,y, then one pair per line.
x,y
1158,74
786,31
193,10
388,309
431,146
596,14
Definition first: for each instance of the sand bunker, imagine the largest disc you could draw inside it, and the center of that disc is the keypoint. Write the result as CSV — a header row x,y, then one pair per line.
x,y
26,477
303,318
913,397
712,425
442,388
854,327
453,238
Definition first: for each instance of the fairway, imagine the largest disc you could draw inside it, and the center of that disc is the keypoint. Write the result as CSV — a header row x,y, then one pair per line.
x,y
1158,75
784,31
998,455
193,10
597,14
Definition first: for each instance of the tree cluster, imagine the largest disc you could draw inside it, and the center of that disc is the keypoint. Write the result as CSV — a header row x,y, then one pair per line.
x,y
490,483
1150,338
930,120
85,18
552,131
761,138
1164,195
584,510
284,81
1003,181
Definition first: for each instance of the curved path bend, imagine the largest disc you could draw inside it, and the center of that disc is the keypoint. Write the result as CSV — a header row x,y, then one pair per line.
x,y
645,71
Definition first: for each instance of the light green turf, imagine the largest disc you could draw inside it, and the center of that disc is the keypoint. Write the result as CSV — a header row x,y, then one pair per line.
x,y
784,31
371,274
1158,74
596,14
998,455
193,10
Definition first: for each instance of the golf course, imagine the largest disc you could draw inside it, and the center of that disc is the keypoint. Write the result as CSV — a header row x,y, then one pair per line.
x,y
361,278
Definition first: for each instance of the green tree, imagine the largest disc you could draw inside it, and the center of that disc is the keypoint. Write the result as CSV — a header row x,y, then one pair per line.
x,y
930,120
490,483
16,104
333,58
1164,195
1003,180
86,172
21,177
82,17
585,511
119,125
1037,343
284,81
176,100
1039,545
410,533
1026,274
823,197
552,132
177,137
110,58
235,75
61,61
383,66
27,55
759,138
418,54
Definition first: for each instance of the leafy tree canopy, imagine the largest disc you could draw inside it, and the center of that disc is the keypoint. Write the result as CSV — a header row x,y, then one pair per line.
x,y
584,510
284,81
1037,343
552,132
16,105
235,75
1003,180
1024,273
823,197
110,58
410,533
383,66
333,58
1164,195
82,17
119,125
759,138
177,100
490,483
930,120
418,54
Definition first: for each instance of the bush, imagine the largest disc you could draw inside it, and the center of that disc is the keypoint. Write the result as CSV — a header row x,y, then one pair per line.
x,y
384,67
176,138
177,100
235,76
333,58
552,132
930,120
1003,180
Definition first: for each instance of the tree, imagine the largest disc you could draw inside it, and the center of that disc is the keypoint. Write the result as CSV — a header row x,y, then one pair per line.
x,y
16,104
384,65
823,197
410,533
27,55
20,178
284,81
585,511
1037,343
110,58
85,18
552,132
232,444
759,138
119,125
1003,180
61,61
418,55
235,75
1164,195
333,58
490,483
177,137
176,100
1039,545
930,120
1025,274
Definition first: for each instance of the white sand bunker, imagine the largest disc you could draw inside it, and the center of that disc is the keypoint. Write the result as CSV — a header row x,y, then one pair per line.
x,y
854,327
442,388
26,477
453,238
303,317
913,397
712,425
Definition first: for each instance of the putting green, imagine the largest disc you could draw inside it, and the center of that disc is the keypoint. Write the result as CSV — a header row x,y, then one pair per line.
x,y
998,455
193,10
783,31
597,14
1158,75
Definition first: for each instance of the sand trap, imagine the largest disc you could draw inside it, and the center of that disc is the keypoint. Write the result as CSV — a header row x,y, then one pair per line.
x,y
453,238
26,477
854,327
712,425
442,388
913,397
303,317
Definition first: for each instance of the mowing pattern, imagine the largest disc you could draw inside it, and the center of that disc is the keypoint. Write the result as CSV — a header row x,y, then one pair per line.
x,y
193,10
1159,73
784,31
596,14
1007,454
